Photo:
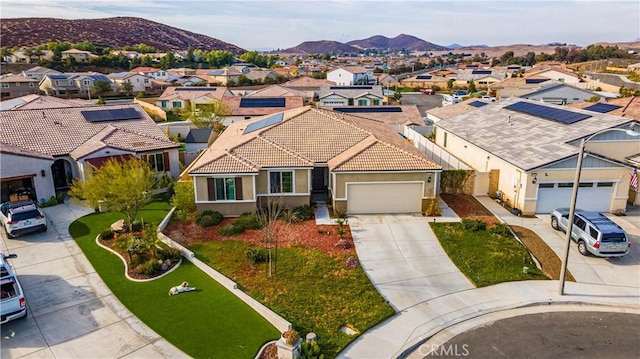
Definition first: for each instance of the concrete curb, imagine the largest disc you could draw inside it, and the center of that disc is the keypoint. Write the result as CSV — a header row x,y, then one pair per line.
x,y
277,321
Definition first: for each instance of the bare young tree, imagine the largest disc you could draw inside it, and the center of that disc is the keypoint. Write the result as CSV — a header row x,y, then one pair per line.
x,y
268,217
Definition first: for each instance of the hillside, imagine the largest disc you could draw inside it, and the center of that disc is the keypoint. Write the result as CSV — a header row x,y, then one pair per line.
x,y
321,47
400,42
115,32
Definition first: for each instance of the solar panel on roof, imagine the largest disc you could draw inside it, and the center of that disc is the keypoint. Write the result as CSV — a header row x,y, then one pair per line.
x,y
513,67
262,102
602,107
477,103
350,87
423,77
481,72
265,122
111,115
57,77
367,109
535,81
195,89
471,66
548,113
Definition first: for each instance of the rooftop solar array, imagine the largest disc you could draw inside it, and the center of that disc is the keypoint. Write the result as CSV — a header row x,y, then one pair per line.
x,y
367,109
57,77
513,67
265,122
350,88
481,72
602,107
535,81
262,102
548,113
203,89
111,115
477,103
423,77
472,65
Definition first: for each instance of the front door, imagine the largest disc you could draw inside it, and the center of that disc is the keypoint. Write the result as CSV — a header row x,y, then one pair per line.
x,y
317,183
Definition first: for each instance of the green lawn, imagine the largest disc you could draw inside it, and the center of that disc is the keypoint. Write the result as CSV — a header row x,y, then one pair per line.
x,y
210,322
486,258
314,291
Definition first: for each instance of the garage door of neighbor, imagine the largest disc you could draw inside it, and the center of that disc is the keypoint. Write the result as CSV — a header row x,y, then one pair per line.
x,y
594,197
384,198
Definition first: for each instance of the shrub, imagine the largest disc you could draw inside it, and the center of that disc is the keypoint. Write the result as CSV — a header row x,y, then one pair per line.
x,y
256,255
339,213
305,212
473,225
209,218
501,229
432,208
230,230
184,196
310,350
352,262
136,226
107,234
170,253
248,221
149,267
291,336
291,216
60,197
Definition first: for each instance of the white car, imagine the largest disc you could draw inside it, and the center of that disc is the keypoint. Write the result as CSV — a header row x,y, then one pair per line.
x,y
13,305
489,98
21,217
594,233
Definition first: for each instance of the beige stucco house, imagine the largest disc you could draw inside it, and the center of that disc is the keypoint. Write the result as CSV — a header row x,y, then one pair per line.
x,y
526,153
359,165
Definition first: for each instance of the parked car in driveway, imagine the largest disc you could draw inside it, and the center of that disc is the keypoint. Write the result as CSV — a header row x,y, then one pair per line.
x,y
594,233
428,91
19,217
13,305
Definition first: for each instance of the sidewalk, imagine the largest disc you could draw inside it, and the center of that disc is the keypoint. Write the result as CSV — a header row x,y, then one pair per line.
x,y
406,330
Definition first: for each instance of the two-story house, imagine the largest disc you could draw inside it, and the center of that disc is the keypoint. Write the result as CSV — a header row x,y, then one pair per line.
x,y
351,75
13,86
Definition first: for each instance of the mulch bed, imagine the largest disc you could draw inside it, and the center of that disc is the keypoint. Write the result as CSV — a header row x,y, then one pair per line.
x,y
307,234
130,271
466,206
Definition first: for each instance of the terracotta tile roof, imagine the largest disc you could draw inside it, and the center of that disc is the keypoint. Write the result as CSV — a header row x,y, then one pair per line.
x,y
275,91
306,81
185,93
445,112
233,103
40,102
629,106
60,131
409,115
16,78
8,149
307,136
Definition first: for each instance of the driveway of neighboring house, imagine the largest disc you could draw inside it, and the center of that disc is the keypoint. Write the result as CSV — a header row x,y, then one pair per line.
x,y
71,312
404,259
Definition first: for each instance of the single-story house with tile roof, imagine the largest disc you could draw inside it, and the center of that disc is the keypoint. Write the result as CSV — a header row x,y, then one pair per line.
x,y
559,93
70,142
481,77
400,115
36,102
175,98
525,152
331,96
246,107
359,165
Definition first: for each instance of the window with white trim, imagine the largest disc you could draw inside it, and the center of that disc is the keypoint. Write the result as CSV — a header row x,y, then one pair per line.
x,y
225,189
281,182
5,85
156,161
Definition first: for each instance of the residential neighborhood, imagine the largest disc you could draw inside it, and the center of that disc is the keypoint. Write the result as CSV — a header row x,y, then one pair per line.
x,y
364,202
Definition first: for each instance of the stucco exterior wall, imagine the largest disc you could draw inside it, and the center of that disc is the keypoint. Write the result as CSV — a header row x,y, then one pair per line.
x,y
339,181
13,166
202,191
227,209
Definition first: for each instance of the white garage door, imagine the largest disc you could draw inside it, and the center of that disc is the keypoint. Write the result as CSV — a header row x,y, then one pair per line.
x,y
591,196
384,198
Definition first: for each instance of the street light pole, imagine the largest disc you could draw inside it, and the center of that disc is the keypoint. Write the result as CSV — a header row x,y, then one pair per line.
x,y
574,198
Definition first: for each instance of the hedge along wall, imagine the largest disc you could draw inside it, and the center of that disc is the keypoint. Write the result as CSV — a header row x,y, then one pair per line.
x,y
457,181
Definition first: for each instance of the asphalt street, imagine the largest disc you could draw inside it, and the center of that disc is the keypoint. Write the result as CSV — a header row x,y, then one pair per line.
x,y
548,335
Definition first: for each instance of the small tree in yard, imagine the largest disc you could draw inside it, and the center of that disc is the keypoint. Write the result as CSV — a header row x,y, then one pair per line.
x,y
471,88
183,199
117,186
268,217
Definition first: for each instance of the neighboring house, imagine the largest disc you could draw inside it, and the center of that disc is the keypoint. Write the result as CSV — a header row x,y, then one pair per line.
x,y
56,85
332,96
138,81
275,91
351,75
70,142
38,72
360,165
176,98
222,76
623,106
37,102
84,82
525,152
557,73
402,115
559,93
310,86
385,80
196,141
261,75
158,74
247,107
79,55
425,81
189,80
13,86
18,57
482,78
445,112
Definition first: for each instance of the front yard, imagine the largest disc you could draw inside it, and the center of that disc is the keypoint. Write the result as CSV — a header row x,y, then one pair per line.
x,y
313,287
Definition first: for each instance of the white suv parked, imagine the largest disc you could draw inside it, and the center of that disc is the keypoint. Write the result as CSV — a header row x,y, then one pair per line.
x,y
20,217
13,305
594,233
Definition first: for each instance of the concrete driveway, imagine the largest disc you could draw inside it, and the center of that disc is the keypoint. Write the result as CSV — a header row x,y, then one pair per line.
x,y
404,260
71,312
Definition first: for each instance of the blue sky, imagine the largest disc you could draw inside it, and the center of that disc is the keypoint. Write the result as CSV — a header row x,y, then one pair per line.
x,y
284,24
